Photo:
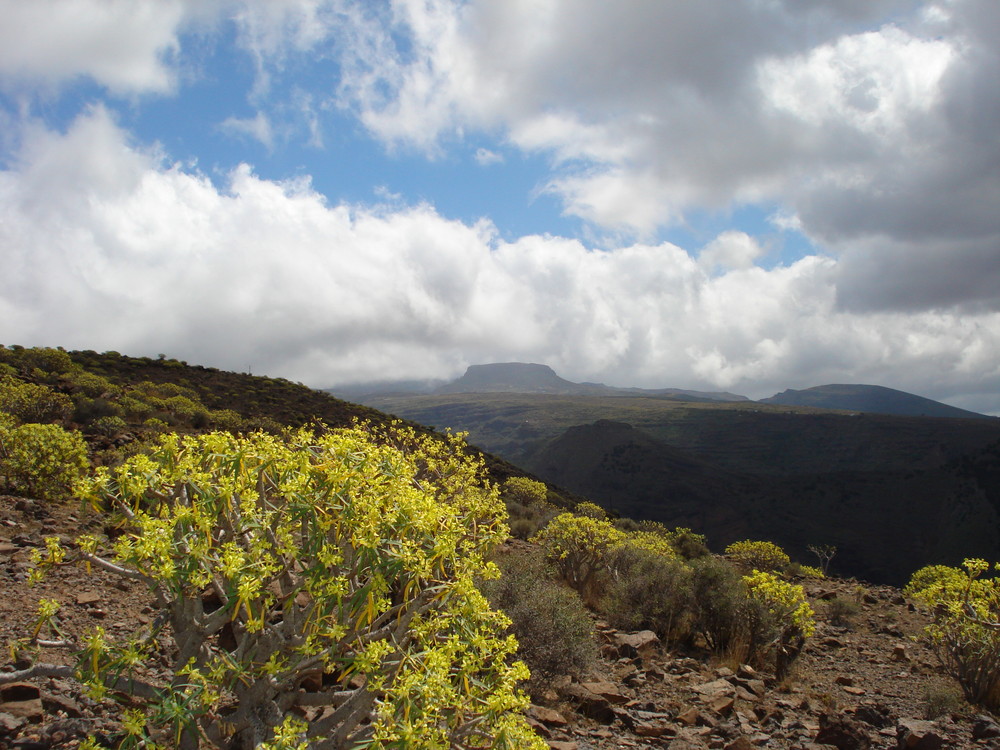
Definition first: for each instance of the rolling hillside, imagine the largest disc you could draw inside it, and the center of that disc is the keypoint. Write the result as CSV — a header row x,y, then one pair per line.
x,y
891,492
873,399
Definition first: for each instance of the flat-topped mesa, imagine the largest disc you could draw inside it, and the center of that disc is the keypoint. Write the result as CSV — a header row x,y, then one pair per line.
x,y
513,377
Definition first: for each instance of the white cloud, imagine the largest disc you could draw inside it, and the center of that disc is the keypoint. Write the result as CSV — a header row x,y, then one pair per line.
x,y
124,45
485,157
106,246
257,127
731,250
870,124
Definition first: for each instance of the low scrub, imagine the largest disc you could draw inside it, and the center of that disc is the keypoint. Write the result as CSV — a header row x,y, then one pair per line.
x,y
649,591
554,631
41,460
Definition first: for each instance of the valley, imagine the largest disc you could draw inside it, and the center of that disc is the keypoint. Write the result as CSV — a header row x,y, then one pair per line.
x,y
892,492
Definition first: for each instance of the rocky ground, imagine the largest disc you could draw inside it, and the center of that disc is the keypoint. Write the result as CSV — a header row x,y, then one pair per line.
x,y
863,683
868,684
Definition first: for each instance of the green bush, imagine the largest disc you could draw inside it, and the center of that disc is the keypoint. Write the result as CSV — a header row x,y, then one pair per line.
x,y
798,570
41,460
28,402
719,598
351,556
764,556
649,591
527,506
524,491
758,619
688,544
841,612
183,407
37,359
554,631
591,510
90,384
226,419
939,701
134,407
779,620
109,426
87,410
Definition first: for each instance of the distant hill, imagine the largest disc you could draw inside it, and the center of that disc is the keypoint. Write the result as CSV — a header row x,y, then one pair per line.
x,y
515,377
884,523
875,399
893,493
524,377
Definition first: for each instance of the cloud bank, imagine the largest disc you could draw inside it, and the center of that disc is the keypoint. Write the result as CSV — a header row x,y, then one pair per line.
x,y
107,246
872,124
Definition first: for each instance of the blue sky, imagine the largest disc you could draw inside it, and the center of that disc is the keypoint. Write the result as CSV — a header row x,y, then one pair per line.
x,y
724,196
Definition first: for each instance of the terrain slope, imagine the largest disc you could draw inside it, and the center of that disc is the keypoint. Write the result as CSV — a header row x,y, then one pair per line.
x,y
892,492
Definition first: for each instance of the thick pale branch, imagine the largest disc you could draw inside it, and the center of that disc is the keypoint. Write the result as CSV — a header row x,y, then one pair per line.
x,y
100,562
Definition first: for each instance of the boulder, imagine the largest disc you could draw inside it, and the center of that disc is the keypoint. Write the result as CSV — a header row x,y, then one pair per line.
x,y
607,690
914,734
21,699
842,733
590,704
714,688
984,727
547,716
643,644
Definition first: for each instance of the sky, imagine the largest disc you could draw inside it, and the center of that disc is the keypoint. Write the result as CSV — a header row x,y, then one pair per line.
x,y
745,195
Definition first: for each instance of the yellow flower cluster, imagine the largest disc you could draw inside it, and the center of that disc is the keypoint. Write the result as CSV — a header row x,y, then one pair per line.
x,y
750,555
785,601
965,632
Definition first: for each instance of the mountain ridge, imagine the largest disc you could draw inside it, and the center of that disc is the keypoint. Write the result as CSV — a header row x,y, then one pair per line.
x,y
872,399
541,379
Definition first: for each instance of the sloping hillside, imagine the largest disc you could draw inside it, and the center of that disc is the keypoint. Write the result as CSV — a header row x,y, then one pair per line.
x,y
875,399
893,493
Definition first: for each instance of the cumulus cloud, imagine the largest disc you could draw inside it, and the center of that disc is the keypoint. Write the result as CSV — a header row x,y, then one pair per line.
x,y
730,250
872,124
258,128
110,246
127,46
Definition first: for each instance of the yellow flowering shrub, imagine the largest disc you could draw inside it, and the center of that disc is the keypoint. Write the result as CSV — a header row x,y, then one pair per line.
x,y
787,622
578,546
650,541
965,632
28,402
349,555
750,555
591,510
524,491
41,460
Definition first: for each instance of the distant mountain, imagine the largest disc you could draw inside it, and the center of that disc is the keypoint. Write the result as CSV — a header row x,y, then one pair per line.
x,y
515,377
869,398
359,392
521,377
